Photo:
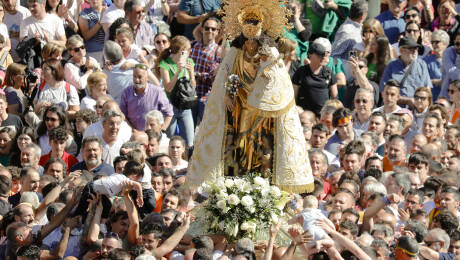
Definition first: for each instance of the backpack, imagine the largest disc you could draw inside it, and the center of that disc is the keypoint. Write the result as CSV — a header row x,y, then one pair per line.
x,y
67,90
183,96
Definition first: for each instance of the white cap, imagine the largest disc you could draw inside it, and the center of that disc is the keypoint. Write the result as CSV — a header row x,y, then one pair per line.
x,y
325,43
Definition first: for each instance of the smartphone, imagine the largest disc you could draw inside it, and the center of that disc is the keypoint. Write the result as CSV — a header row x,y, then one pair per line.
x,y
183,56
353,53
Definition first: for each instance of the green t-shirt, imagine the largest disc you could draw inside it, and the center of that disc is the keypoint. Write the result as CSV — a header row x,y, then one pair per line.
x,y
372,72
167,63
315,20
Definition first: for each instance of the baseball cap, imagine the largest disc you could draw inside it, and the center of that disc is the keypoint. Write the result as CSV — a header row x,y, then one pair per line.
x,y
316,48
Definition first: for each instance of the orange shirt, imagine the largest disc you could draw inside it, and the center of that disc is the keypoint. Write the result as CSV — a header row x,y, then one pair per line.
x,y
159,201
455,116
388,166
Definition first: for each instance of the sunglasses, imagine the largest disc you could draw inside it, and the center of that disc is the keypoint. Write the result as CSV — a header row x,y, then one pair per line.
x,y
411,16
160,42
420,98
141,66
364,101
78,48
212,29
435,42
111,235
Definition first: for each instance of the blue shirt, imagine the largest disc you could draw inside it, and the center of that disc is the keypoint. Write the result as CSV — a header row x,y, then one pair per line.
x,y
193,8
434,66
103,168
118,79
450,71
96,43
392,26
418,77
334,142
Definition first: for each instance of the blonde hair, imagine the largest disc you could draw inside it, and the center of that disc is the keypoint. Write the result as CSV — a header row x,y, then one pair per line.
x,y
94,79
374,25
310,202
333,103
286,46
51,48
73,41
428,91
125,31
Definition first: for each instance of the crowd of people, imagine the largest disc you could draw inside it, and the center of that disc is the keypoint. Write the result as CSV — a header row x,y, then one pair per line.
x,y
94,155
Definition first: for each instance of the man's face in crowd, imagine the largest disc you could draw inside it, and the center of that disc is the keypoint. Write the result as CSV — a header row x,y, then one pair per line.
x,y
112,126
352,163
412,203
345,130
108,244
455,247
346,233
433,242
153,124
445,157
170,202
318,139
390,96
412,15
318,166
149,241
336,218
56,170
152,147
350,217
120,167
163,162
397,151
27,215
377,164
28,158
58,146
363,103
392,128
10,5
92,154
168,183
451,138
420,169
454,164
210,30
392,186
408,54
417,143
377,125
168,218
36,8
447,201
140,77
120,227
326,119
342,201
158,184
31,181
396,7
430,128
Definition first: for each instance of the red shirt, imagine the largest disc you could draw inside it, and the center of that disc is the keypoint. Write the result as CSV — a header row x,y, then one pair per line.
x,y
69,160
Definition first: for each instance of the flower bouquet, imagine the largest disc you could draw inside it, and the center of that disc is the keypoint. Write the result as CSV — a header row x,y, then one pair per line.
x,y
241,206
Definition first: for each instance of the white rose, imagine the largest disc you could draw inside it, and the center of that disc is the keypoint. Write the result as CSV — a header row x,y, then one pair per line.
x,y
275,191
259,181
222,195
274,217
244,226
239,183
229,183
225,210
252,227
246,187
247,201
221,204
221,225
252,209
265,191
220,181
233,199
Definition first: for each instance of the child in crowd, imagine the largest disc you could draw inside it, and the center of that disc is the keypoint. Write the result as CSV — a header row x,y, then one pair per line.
x,y
125,38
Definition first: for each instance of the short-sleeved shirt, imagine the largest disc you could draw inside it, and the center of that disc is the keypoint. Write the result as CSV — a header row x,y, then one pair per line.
x,y
193,8
96,43
103,168
13,23
313,89
13,97
58,96
434,65
392,26
171,67
13,121
51,24
69,160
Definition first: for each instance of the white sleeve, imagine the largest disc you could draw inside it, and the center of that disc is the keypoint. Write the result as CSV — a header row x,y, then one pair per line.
x,y
176,256
4,32
73,99
72,75
60,31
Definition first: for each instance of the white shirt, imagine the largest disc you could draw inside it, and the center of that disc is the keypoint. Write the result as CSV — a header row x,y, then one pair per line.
x,y
110,15
13,23
88,103
381,109
72,74
51,24
110,185
4,31
109,152
164,144
96,129
58,96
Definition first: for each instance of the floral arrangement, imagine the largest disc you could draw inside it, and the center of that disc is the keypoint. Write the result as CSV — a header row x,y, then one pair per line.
x,y
241,206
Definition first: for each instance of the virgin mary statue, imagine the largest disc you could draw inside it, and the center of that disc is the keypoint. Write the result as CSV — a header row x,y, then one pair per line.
x,y
251,123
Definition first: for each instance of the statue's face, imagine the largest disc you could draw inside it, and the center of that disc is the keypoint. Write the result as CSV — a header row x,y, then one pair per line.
x,y
251,47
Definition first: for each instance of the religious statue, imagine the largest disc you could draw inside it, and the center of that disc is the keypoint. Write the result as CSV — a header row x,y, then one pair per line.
x,y
250,123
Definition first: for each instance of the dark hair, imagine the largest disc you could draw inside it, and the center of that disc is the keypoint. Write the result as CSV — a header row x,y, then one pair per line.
x,y
418,158
87,115
58,134
56,69
358,9
353,227
339,114
448,189
416,192
63,196
373,172
53,210
166,172
5,186
412,8
212,18
203,254
41,129
152,228
133,168
116,24
119,254
31,252
383,55
119,159
353,212
49,187
48,7
393,83
321,127
447,220
120,215
54,160
418,229
90,139
355,147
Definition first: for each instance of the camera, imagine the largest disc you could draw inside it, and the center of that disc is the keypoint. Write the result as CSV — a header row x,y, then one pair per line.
x,y
353,53
30,76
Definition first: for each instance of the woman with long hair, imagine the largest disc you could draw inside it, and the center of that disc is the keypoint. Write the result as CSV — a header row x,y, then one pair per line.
x,y
378,58
172,67
14,79
7,140
58,8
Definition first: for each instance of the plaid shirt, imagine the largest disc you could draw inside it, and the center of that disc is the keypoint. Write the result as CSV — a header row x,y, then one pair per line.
x,y
204,58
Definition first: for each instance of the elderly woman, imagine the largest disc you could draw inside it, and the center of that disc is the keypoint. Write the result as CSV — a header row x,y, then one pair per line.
x,y
77,70
423,99
447,19
97,87
55,91
154,120
14,79
439,42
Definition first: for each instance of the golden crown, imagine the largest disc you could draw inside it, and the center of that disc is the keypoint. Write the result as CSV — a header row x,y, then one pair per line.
x,y
251,17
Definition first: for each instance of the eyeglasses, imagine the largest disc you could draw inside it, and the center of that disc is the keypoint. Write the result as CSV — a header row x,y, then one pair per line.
x,y
51,119
78,48
160,42
411,16
364,101
212,29
141,66
435,42
420,98
457,44
429,243
140,12
412,30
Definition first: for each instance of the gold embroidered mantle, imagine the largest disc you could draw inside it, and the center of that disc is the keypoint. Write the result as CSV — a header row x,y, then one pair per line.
x,y
272,94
